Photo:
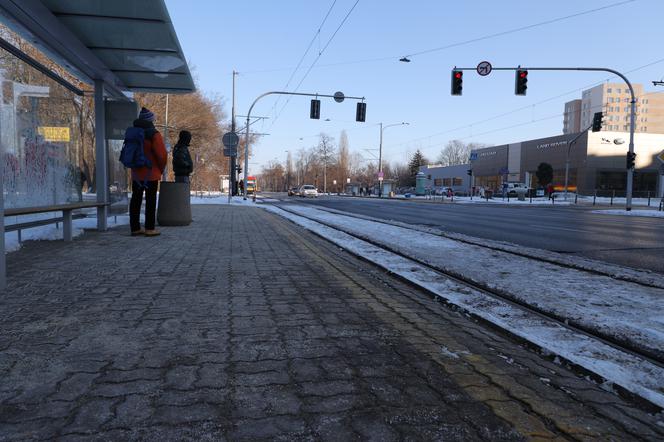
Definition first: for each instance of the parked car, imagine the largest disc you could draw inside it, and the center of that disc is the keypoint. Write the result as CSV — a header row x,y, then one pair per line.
x,y
308,191
511,188
293,191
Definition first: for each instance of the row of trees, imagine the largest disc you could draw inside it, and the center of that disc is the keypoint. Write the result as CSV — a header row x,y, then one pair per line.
x,y
329,165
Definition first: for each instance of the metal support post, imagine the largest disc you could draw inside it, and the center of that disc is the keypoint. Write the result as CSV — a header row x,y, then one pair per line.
x,y
67,225
101,157
3,260
231,159
380,163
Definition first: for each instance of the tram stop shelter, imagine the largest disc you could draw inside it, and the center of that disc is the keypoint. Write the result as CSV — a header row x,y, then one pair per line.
x,y
117,47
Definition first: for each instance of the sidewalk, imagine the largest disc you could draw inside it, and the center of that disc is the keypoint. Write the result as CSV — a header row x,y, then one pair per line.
x,y
244,326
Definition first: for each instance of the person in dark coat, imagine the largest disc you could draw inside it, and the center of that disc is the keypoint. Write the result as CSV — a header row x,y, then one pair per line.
x,y
183,166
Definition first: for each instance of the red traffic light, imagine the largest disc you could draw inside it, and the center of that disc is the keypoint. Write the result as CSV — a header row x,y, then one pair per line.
x,y
523,74
458,74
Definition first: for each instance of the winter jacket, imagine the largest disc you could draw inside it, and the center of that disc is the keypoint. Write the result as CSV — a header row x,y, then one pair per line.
x,y
154,150
182,163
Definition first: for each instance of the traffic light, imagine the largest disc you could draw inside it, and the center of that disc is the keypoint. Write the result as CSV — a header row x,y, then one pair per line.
x,y
470,172
631,160
361,112
457,82
314,112
597,121
521,82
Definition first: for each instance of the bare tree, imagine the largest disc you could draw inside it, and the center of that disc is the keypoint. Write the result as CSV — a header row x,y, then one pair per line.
x,y
457,152
325,152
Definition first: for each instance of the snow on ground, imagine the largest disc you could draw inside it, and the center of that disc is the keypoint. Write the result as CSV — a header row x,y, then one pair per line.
x,y
513,201
51,232
630,372
621,310
222,199
640,212
643,277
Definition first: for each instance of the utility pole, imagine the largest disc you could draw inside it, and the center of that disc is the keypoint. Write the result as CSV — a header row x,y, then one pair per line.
x,y
231,177
164,176
380,156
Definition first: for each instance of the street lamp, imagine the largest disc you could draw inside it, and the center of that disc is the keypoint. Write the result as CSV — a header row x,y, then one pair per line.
x,y
380,155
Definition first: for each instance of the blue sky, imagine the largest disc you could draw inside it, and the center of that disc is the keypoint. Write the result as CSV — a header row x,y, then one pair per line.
x,y
264,40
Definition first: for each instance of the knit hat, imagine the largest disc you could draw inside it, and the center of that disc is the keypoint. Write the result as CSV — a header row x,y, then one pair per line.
x,y
184,138
146,114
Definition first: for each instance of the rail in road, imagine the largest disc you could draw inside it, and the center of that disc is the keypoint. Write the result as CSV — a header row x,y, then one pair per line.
x,y
641,277
575,232
645,368
619,345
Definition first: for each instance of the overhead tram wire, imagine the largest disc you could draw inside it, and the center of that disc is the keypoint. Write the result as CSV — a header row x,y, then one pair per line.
x,y
529,106
311,43
519,29
320,53
462,43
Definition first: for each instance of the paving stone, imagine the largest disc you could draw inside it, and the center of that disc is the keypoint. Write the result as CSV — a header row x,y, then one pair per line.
x,y
242,326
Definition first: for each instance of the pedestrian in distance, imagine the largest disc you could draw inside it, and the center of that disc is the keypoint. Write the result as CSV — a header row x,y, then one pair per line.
x,y
241,186
183,166
144,151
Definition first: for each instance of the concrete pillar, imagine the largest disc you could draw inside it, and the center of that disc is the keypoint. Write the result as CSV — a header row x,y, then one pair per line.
x,y
101,157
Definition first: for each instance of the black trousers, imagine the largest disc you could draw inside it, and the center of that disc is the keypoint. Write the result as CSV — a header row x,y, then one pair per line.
x,y
137,190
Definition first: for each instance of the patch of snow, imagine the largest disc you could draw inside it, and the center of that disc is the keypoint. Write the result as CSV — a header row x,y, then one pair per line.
x,y
640,212
448,353
611,308
629,371
51,232
616,271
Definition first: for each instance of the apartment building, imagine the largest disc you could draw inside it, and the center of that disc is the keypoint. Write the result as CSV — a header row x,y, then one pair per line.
x,y
613,99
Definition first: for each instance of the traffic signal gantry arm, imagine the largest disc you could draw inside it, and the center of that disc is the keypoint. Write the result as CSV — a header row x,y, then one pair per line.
x,y
630,171
246,139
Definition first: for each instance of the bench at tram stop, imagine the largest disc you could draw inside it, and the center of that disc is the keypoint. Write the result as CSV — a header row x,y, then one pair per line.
x,y
66,219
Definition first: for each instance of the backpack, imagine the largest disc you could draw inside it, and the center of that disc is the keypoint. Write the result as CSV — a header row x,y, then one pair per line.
x,y
132,155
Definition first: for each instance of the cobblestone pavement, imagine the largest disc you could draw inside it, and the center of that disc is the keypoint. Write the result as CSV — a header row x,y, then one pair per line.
x,y
244,327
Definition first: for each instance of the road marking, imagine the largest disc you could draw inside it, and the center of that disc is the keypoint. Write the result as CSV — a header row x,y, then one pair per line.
x,y
559,228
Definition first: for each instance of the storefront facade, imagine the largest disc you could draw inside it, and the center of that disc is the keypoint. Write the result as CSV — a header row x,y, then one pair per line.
x,y
596,162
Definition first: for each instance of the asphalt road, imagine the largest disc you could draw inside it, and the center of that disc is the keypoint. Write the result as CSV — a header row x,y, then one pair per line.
x,y
636,242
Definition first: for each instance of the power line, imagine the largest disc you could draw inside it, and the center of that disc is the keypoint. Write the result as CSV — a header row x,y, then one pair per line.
x,y
311,43
519,29
461,43
320,53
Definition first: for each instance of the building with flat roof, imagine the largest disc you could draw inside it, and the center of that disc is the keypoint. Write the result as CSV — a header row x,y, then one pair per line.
x,y
572,117
597,162
440,177
613,99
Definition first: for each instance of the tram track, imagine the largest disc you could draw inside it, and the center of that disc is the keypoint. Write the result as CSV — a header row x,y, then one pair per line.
x,y
644,278
620,346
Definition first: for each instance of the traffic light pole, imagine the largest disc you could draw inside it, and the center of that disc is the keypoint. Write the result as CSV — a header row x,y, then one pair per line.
x,y
380,155
246,138
630,171
569,148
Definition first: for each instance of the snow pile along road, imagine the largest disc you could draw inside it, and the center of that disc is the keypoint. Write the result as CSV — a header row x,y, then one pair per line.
x,y
623,312
631,372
